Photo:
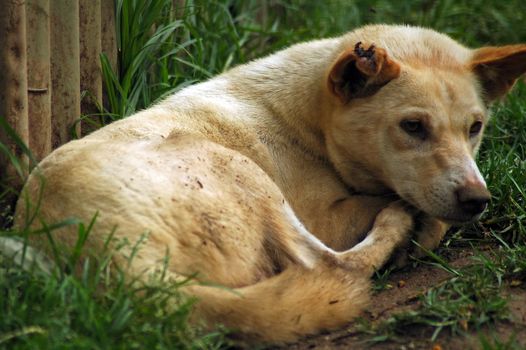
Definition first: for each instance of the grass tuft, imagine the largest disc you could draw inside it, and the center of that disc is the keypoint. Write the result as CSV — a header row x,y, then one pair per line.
x,y
88,304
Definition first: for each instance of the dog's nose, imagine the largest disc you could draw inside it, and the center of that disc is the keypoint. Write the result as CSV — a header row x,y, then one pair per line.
x,y
473,199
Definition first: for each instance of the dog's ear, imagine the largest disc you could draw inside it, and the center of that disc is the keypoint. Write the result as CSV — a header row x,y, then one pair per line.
x,y
360,72
498,68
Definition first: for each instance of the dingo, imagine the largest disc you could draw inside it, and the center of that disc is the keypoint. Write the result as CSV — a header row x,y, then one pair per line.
x,y
290,178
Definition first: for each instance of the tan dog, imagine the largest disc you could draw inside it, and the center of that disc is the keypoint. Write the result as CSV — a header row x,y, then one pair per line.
x,y
257,178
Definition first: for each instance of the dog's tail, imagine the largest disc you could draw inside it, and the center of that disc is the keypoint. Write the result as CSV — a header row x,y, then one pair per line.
x,y
296,302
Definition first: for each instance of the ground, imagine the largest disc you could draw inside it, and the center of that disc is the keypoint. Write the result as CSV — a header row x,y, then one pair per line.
x,y
406,288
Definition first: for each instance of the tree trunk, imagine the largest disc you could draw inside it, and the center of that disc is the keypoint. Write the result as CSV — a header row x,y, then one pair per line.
x,y
13,100
65,72
109,39
39,77
90,50
13,79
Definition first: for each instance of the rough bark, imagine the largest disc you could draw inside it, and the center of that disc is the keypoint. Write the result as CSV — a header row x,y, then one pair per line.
x,y
39,77
13,98
13,77
108,37
65,73
90,50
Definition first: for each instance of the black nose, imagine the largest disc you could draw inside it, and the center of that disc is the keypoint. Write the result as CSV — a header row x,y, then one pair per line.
x,y
473,200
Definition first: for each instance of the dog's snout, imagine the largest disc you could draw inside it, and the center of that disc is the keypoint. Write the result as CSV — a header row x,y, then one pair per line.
x,y
473,199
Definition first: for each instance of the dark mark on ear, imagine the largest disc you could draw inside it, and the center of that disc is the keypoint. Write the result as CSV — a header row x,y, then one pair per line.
x,y
360,52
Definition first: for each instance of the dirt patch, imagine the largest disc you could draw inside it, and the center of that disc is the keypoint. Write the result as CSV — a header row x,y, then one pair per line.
x,y
407,286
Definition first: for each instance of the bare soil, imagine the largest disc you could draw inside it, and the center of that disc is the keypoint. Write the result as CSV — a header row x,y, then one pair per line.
x,y
407,285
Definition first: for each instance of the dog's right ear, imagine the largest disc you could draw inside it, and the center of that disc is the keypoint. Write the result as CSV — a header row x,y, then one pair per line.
x,y
498,68
360,73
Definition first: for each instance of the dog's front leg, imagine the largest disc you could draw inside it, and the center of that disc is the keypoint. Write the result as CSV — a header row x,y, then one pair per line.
x,y
429,232
349,220
391,229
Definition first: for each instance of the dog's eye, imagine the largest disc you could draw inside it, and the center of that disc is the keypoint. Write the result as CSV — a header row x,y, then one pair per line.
x,y
475,129
414,128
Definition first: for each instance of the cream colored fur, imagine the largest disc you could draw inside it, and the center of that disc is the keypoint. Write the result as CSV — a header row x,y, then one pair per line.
x,y
266,178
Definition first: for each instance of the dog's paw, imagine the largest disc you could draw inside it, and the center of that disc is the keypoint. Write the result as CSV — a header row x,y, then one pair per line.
x,y
397,219
428,234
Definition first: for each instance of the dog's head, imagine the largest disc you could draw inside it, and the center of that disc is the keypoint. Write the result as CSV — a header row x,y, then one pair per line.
x,y
411,121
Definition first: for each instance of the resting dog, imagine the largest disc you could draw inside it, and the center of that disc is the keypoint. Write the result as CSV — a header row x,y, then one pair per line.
x,y
291,178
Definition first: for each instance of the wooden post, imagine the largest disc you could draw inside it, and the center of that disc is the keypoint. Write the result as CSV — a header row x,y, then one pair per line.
x,y
90,50
65,72
39,77
13,100
13,79
109,38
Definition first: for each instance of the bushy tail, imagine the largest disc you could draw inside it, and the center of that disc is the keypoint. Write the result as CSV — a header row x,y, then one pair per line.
x,y
296,302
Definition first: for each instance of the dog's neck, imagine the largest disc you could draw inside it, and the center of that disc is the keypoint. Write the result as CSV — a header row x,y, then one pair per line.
x,y
291,87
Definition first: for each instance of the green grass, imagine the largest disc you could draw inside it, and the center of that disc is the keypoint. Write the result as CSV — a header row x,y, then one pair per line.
x,y
470,299
97,310
494,343
162,50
